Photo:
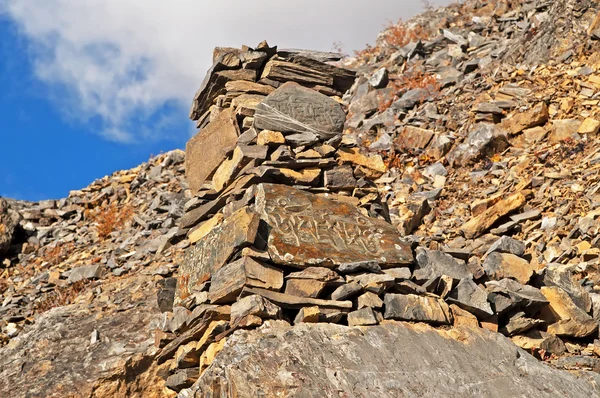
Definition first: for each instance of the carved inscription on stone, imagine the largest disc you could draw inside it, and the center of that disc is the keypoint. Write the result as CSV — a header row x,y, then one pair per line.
x,y
293,108
307,229
210,253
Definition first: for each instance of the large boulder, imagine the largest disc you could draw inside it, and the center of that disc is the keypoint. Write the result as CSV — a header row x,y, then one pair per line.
x,y
391,360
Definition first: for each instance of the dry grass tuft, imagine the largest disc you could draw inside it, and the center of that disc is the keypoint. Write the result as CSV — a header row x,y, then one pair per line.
x,y
58,253
109,218
61,297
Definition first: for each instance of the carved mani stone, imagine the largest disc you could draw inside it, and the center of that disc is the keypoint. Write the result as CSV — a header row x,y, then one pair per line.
x,y
215,248
296,109
307,230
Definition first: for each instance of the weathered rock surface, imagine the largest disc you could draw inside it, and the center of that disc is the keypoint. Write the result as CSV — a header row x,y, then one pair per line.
x,y
296,109
302,361
307,230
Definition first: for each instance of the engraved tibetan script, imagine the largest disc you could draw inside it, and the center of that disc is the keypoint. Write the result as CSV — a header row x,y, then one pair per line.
x,y
306,229
296,109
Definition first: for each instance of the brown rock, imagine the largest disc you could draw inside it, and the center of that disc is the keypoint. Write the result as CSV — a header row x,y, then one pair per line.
x,y
268,137
537,116
288,301
589,126
413,137
369,299
254,305
228,281
217,246
569,319
243,86
477,225
307,229
214,85
353,156
207,149
505,265
340,178
362,317
463,318
307,315
414,308
563,129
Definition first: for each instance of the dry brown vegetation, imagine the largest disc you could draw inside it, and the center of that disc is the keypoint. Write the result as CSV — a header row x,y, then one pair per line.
x,y
412,79
58,253
61,296
109,218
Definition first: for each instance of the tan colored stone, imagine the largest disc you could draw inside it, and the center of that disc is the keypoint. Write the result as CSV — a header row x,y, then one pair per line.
x,y
244,86
353,155
226,171
506,265
589,126
228,282
210,354
463,318
534,134
207,149
476,226
569,320
203,229
308,315
413,137
563,129
537,116
268,137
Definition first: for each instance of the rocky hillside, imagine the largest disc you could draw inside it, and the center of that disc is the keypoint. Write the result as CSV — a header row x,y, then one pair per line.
x,y
439,189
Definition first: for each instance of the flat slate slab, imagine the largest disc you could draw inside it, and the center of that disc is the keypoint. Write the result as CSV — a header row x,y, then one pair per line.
x,y
206,150
296,109
211,252
307,230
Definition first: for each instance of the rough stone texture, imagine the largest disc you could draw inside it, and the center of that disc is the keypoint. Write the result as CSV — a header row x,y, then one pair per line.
x,y
55,357
537,116
569,319
409,307
434,264
305,361
9,219
228,281
207,149
471,297
484,140
505,265
296,109
213,251
508,294
306,230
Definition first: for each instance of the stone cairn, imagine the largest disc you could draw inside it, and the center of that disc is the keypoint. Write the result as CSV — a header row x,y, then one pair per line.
x,y
286,223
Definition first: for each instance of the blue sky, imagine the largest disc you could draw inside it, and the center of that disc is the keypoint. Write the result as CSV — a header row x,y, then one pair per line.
x,y
91,87
45,152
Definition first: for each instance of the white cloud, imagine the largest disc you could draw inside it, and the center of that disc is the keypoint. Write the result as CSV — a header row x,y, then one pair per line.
x,y
120,61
